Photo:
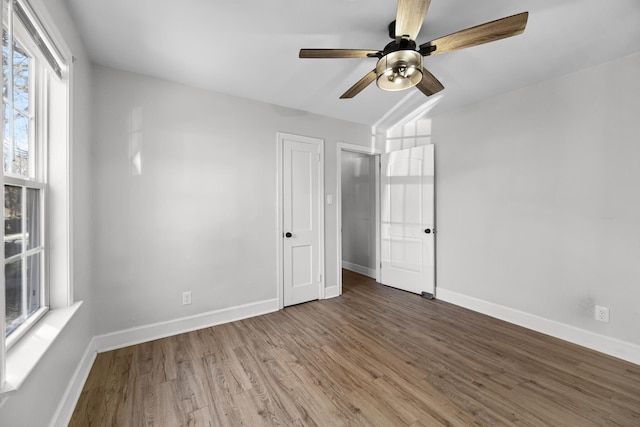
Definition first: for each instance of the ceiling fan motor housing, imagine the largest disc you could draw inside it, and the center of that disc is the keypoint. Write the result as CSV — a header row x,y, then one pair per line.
x,y
399,70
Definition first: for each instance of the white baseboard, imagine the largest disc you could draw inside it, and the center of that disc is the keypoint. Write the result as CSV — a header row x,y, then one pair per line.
x,y
331,292
367,271
69,400
611,346
127,337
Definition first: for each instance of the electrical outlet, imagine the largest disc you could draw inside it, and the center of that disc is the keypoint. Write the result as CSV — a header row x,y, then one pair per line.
x,y
186,298
602,314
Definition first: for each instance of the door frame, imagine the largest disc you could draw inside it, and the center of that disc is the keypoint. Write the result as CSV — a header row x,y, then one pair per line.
x,y
280,137
372,151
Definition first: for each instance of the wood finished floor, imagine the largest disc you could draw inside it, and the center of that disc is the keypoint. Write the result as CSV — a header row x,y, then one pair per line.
x,y
374,357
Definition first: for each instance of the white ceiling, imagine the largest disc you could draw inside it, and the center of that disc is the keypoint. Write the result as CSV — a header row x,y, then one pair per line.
x,y
249,48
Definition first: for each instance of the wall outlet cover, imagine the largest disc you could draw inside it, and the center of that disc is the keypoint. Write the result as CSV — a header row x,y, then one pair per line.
x,y
186,298
602,314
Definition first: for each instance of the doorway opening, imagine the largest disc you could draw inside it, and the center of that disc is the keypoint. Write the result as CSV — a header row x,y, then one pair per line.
x,y
358,211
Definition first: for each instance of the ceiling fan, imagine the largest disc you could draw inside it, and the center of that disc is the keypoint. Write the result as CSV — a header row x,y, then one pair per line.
x,y
399,64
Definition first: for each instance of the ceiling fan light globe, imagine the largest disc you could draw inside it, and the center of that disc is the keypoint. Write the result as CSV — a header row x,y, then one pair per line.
x,y
399,70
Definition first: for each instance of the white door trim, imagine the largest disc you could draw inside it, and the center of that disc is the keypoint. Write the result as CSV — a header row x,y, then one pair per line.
x,y
280,137
344,146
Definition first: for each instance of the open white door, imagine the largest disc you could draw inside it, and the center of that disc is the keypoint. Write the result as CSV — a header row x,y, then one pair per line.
x,y
407,238
301,219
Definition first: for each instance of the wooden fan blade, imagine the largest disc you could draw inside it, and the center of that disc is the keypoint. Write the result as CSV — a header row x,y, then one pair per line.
x,y
429,84
480,34
410,16
337,53
362,83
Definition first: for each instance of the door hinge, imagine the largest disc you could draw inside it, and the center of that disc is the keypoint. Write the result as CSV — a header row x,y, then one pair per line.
x,y
318,156
320,278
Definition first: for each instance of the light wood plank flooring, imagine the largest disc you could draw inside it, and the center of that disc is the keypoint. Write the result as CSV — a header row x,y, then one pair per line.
x,y
374,357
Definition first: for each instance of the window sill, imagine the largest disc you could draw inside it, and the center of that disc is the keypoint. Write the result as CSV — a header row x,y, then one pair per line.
x,y
23,357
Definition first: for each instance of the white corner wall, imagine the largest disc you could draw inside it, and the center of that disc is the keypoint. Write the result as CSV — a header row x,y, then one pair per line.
x,y
185,199
538,205
38,401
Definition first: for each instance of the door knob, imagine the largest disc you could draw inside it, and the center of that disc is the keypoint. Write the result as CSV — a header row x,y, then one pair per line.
x,y
287,234
427,230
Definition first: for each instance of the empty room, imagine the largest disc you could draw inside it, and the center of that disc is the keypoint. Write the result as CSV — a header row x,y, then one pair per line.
x,y
293,212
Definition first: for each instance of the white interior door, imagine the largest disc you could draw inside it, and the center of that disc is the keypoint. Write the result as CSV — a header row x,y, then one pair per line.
x,y
407,238
301,224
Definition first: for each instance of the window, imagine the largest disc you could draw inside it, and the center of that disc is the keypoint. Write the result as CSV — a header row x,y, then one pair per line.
x,y
36,284
28,68
24,188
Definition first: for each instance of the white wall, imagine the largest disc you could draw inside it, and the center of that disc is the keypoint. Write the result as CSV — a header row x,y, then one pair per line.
x,y
538,199
36,401
202,214
358,212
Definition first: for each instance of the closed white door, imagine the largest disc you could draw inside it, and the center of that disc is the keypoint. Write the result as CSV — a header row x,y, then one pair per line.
x,y
407,220
301,225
